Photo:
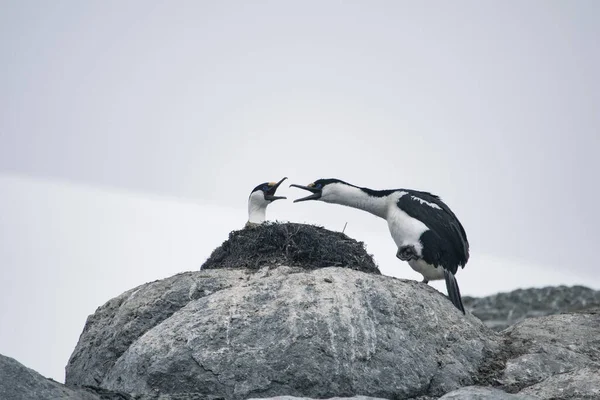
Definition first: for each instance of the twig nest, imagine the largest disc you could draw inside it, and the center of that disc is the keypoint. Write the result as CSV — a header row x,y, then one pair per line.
x,y
294,245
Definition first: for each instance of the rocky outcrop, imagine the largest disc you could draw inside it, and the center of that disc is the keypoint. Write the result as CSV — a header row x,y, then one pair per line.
x,y
580,384
308,398
115,326
18,382
549,352
315,329
502,310
322,333
483,393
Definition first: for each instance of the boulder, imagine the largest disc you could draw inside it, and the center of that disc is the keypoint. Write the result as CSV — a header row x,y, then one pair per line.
x,y
308,398
502,310
483,393
309,333
116,325
18,382
329,332
581,384
544,347
296,310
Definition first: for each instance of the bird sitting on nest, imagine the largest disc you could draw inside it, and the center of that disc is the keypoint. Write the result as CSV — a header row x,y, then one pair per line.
x,y
260,197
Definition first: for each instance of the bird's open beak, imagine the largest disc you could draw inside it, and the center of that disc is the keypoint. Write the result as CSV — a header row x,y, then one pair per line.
x,y
270,194
316,193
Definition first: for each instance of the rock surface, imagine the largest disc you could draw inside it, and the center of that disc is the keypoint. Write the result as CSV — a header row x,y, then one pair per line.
x,y
322,333
546,347
308,398
18,382
582,384
237,334
116,325
502,310
328,325
483,393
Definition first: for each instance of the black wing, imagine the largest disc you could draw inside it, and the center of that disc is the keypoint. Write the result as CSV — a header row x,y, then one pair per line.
x,y
445,243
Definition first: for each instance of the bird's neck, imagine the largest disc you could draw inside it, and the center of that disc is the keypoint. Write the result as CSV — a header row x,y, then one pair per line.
x,y
257,213
354,197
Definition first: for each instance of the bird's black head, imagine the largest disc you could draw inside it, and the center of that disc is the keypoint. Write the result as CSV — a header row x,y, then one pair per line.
x,y
268,189
316,188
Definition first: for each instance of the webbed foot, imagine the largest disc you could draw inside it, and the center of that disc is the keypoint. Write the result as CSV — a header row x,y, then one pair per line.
x,y
407,253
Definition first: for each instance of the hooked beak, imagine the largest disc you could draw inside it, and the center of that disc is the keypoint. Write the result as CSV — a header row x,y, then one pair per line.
x,y
316,193
270,194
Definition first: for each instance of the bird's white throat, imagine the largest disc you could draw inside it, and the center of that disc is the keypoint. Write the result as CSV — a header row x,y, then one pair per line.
x,y
257,208
354,197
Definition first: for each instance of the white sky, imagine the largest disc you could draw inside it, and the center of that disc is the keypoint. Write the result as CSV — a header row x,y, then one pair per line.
x,y
131,133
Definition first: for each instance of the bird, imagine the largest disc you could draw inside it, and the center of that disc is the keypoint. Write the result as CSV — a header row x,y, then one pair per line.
x,y
427,233
260,197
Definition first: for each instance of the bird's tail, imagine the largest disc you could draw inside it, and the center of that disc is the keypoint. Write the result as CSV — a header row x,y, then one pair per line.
x,y
453,290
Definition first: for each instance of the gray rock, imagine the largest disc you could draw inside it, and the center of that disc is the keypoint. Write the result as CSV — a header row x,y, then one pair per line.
x,y
240,333
537,352
543,347
18,382
110,331
502,310
322,333
581,384
484,393
308,398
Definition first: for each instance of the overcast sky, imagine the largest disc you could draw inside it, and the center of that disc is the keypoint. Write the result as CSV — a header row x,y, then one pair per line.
x,y
131,133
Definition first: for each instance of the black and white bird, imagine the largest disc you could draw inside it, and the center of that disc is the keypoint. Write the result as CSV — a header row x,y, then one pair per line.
x,y
427,233
260,197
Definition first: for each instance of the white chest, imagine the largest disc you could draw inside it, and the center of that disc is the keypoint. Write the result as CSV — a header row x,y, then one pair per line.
x,y
404,229
257,208
429,272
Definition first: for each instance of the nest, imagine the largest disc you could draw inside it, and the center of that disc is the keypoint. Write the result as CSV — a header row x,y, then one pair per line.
x,y
294,245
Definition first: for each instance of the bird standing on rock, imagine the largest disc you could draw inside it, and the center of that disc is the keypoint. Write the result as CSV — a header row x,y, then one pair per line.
x,y
260,197
428,234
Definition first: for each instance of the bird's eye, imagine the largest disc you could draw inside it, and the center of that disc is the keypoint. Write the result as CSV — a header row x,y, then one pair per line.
x,y
265,188
318,186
